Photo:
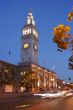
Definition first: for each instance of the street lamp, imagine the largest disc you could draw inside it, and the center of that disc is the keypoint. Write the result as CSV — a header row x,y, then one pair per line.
x,y
63,82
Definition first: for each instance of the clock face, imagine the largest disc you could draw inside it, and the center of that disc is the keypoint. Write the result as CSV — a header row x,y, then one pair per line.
x,y
26,46
26,31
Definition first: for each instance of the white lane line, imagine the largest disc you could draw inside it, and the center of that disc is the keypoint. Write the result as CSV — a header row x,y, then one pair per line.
x,y
21,106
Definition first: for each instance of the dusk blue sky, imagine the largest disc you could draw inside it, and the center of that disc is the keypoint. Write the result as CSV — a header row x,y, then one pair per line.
x,y
47,14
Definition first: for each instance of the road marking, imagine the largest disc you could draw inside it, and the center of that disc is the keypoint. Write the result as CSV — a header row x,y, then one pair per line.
x,y
21,106
51,102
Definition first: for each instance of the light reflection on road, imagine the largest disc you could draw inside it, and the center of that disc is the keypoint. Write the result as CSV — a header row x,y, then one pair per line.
x,y
51,95
58,104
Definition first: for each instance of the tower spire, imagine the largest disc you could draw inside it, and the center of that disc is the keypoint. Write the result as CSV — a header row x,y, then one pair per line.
x,y
29,47
30,10
30,18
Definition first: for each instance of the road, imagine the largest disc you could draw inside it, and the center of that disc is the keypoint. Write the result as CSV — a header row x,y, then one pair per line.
x,y
37,103
56,104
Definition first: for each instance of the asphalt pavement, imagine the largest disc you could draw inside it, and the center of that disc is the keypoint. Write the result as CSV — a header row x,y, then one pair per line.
x,y
37,103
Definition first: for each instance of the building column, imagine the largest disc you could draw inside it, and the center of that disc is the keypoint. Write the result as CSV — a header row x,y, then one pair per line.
x,y
44,82
38,83
50,83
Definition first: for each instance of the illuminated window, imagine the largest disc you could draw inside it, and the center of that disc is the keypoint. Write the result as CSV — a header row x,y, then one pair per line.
x,y
26,31
21,73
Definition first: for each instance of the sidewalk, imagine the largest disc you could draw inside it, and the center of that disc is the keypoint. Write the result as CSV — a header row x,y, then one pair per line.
x,y
4,96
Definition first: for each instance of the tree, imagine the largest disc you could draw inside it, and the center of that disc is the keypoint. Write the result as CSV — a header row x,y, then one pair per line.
x,y
70,16
28,80
11,75
61,35
64,39
7,75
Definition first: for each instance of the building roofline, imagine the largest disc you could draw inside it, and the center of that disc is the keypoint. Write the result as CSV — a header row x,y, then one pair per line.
x,y
2,61
25,64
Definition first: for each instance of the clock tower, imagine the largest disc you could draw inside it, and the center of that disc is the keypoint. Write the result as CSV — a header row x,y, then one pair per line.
x,y
29,41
